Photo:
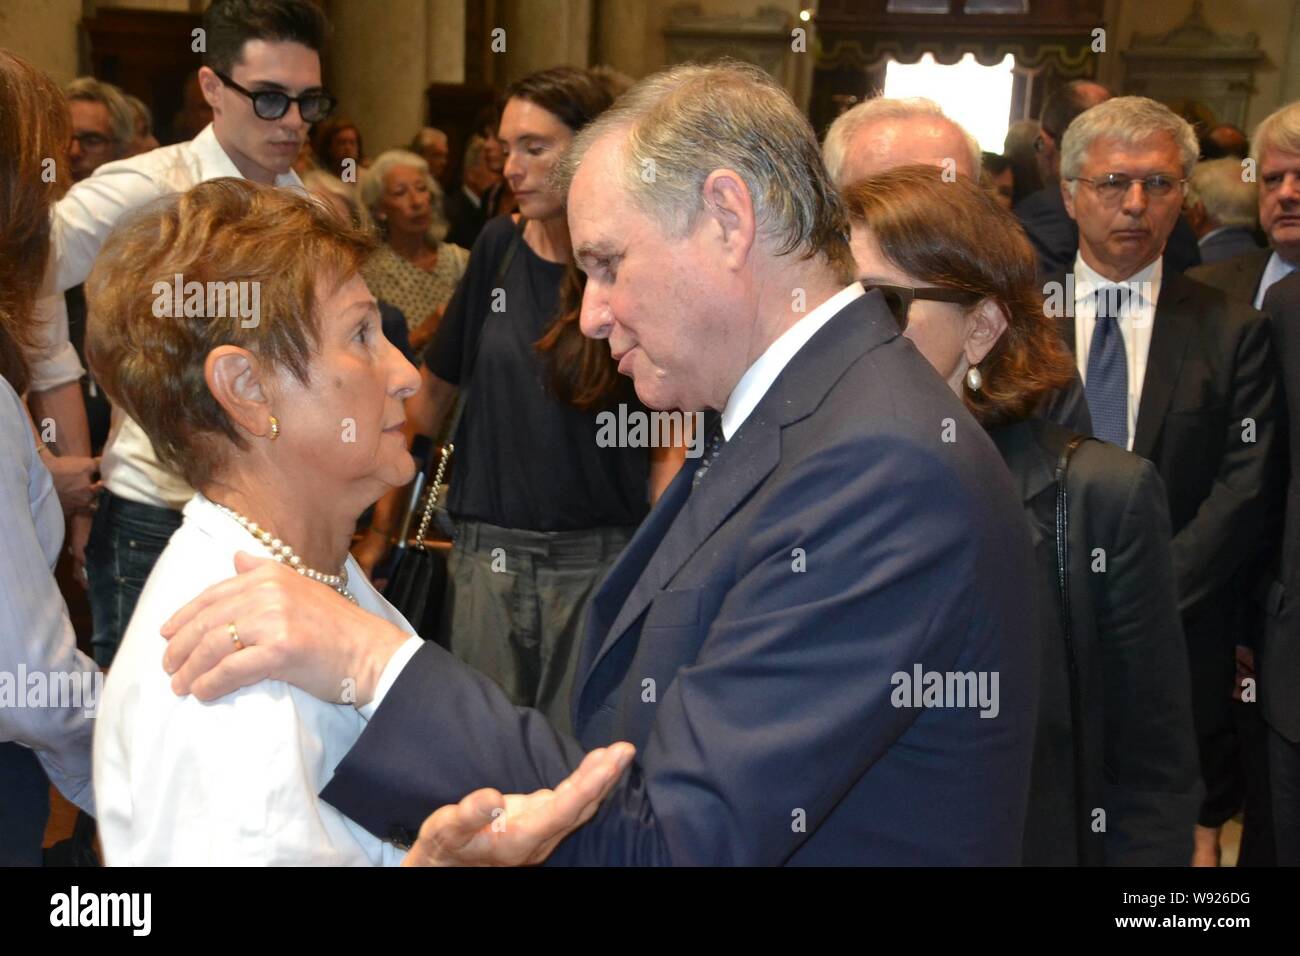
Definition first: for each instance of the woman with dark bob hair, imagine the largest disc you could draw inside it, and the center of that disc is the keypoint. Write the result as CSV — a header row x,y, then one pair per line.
x,y
1114,777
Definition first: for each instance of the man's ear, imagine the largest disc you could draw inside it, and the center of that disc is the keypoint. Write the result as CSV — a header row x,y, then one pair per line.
x,y
210,85
985,324
728,202
236,380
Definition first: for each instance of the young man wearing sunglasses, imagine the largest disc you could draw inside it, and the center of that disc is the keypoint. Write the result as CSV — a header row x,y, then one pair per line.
x,y
262,78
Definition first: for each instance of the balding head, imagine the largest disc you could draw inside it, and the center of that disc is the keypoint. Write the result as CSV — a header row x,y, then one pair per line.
x,y
883,133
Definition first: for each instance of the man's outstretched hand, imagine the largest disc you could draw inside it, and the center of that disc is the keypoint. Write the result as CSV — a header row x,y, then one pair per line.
x,y
518,829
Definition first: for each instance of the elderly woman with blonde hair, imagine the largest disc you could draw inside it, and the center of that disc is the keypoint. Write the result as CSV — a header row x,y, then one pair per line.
x,y
287,418
414,269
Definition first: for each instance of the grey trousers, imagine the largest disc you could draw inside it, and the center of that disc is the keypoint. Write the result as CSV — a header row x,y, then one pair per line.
x,y
516,604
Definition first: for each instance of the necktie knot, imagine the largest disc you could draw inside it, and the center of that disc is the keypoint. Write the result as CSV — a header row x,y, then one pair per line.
x,y
1112,302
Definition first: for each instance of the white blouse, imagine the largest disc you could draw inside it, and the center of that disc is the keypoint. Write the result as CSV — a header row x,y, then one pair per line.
x,y
48,688
234,781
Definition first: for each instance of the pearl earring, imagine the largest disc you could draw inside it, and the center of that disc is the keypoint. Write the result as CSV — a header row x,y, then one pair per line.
x,y
275,428
974,380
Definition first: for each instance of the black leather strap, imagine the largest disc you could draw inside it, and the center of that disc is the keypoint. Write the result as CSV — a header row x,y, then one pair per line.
x,y
1081,815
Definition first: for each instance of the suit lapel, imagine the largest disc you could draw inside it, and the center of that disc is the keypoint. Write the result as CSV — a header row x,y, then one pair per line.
x,y
1170,333
684,519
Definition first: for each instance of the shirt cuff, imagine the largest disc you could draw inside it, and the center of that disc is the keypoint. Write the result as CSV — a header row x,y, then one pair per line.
x,y
59,368
392,669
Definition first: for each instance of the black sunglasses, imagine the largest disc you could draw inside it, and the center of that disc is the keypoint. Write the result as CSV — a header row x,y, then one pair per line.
x,y
314,105
899,298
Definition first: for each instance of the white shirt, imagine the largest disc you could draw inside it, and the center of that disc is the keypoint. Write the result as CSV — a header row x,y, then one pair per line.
x,y
1135,325
758,378
82,221
473,197
1277,268
40,708
234,781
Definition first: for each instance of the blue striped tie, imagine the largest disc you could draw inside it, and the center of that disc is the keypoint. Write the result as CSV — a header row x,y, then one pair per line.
x,y
1107,385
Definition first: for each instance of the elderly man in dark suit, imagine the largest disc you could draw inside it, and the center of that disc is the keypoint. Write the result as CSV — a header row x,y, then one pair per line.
x,y
1221,208
1279,670
1178,374
1276,152
817,641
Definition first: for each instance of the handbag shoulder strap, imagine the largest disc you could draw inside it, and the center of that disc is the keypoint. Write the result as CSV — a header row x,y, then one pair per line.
x,y
1067,631
458,411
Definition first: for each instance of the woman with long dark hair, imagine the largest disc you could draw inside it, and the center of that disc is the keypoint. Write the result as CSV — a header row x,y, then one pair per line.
x,y
44,735
540,507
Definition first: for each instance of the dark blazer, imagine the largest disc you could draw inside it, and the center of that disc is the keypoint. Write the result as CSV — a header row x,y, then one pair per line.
x,y
466,219
755,638
1279,669
1237,278
1140,761
1051,231
1227,244
1210,368
1055,236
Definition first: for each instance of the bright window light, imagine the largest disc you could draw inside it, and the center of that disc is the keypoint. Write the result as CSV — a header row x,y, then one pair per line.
x,y
978,97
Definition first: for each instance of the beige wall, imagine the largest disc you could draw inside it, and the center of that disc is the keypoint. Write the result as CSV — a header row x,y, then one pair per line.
x,y
1277,23
44,32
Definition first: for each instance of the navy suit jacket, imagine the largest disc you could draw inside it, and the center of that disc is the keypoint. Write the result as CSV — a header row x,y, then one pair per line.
x,y
859,525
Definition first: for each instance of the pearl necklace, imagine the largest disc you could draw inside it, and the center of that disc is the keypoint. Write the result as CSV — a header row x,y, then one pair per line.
x,y
284,554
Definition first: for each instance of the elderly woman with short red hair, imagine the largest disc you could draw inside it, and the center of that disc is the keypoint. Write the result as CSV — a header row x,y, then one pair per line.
x,y
1114,778
288,422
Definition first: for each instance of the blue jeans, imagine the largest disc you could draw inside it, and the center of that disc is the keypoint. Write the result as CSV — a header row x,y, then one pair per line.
x,y
126,539
24,806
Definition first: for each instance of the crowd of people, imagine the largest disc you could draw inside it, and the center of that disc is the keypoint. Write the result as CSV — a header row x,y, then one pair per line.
x,y
973,548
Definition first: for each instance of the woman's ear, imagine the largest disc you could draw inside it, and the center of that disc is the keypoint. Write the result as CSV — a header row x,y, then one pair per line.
x,y
985,324
236,380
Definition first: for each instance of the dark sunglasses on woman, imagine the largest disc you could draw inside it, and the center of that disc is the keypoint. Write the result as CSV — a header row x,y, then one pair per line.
x,y
899,298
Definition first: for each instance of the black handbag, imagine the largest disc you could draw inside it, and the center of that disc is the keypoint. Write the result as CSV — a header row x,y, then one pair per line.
x,y
418,584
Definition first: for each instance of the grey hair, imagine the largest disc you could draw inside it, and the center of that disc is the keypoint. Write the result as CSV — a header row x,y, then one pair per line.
x,y
320,179
120,115
143,114
426,134
682,124
473,150
1130,120
1228,198
1278,130
835,147
372,187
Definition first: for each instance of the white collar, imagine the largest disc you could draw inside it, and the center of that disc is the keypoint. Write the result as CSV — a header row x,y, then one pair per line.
x,y
758,378
214,162
1088,280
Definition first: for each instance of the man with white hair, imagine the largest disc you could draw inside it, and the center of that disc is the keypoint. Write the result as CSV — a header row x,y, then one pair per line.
x,y
1275,152
1221,209
1177,373
796,637
882,133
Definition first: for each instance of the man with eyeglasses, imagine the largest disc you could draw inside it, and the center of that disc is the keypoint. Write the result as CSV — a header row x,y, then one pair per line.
x,y
262,78
1179,374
